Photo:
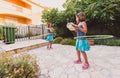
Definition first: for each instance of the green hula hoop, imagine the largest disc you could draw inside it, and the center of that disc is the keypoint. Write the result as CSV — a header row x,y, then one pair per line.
x,y
94,37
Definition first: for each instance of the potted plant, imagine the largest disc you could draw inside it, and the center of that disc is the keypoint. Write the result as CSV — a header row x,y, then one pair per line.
x,y
91,42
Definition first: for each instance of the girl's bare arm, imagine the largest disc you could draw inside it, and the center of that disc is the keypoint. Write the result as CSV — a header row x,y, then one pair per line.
x,y
51,29
84,29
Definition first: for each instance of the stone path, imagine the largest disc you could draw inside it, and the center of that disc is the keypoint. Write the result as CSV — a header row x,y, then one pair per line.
x,y
20,44
58,62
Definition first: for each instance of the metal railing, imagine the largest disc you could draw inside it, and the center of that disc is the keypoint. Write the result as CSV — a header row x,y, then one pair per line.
x,y
23,33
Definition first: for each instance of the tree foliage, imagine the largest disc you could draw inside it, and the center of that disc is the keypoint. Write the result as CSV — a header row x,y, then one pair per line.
x,y
103,10
103,13
59,21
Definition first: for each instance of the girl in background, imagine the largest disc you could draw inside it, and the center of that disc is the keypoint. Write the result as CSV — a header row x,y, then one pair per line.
x,y
50,30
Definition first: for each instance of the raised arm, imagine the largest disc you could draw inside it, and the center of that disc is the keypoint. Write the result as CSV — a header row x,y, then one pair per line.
x,y
84,29
52,29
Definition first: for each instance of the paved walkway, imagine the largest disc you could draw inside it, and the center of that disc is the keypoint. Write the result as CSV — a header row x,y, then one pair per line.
x,y
58,62
20,44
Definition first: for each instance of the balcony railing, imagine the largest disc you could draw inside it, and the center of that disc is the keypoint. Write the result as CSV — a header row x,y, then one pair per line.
x,y
13,7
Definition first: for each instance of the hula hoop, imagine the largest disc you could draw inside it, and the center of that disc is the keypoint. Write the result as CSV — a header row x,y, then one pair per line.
x,y
94,37
44,34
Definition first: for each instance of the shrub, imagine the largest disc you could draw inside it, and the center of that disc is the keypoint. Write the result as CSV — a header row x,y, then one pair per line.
x,y
19,36
58,40
68,42
113,42
1,29
1,32
73,41
20,66
29,34
1,37
108,42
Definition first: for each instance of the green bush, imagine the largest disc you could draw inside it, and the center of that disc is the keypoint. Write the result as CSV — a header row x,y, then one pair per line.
x,y
1,37
73,41
108,42
19,36
1,29
68,42
58,40
113,42
29,34
1,32
20,66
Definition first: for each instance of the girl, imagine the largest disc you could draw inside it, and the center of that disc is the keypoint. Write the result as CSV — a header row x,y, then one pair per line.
x,y
82,44
49,36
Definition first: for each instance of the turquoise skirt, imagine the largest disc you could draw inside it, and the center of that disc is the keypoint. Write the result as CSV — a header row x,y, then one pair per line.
x,y
49,38
82,45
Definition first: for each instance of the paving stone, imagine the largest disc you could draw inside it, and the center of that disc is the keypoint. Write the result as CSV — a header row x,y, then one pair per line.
x,y
97,74
84,75
58,62
56,73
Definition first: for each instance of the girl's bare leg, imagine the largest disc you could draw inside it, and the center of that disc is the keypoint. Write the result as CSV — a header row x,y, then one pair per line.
x,y
78,54
78,61
48,45
51,44
86,64
85,57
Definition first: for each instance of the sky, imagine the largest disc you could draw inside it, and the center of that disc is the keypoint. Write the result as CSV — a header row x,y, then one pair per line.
x,y
51,3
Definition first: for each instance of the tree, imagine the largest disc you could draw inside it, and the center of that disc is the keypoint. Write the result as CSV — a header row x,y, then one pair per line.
x,y
104,10
101,14
59,21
